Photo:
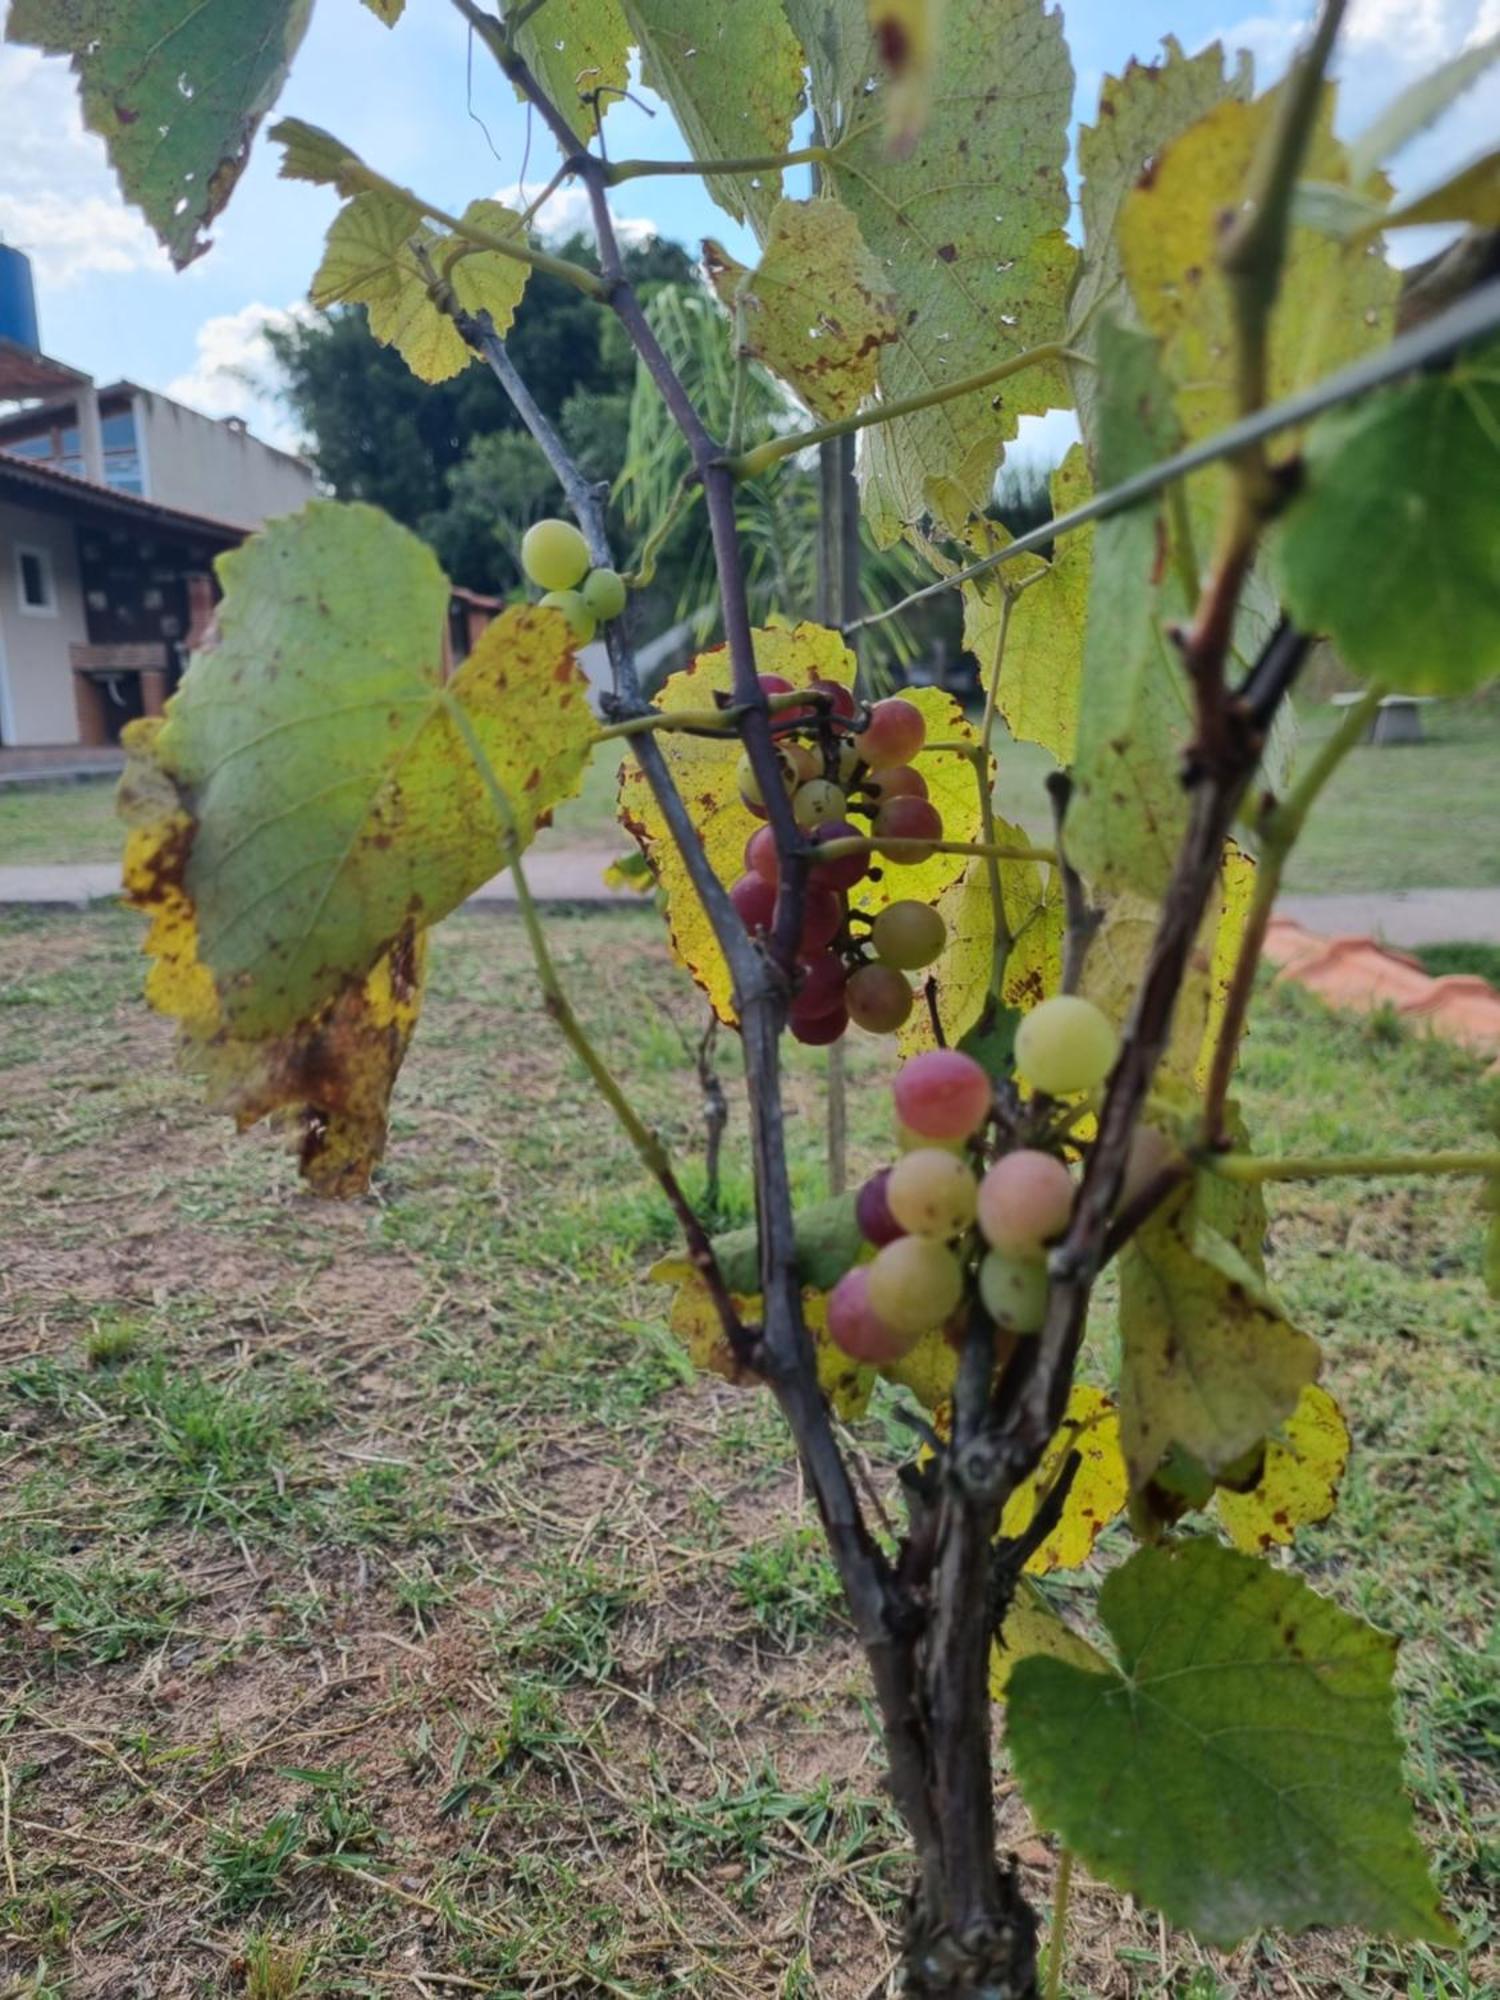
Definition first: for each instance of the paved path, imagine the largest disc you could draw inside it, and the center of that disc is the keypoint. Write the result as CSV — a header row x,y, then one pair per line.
x,y
1400,917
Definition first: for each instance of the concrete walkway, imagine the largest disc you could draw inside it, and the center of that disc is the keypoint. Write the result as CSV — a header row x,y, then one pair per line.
x,y
1400,917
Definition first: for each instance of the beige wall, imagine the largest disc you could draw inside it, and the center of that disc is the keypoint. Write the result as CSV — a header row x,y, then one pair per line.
x,y
36,678
205,467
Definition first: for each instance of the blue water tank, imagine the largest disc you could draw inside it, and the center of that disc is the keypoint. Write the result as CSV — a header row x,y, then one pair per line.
x,y
17,299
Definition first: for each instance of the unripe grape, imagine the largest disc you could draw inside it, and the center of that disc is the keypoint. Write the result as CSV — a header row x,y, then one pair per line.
x,y
604,593
1150,1151
846,869
554,555
1014,1291
571,605
894,734
854,1326
942,1094
902,819
821,988
908,1141
761,857
841,699
909,935
872,1212
901,781
749,783
819,804
822,918
805,762
1065,1045
914,1284
1024,1201
932,1193
879,999
755,899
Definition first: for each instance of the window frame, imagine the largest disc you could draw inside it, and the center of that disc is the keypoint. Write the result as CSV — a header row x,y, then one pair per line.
x,y
48,573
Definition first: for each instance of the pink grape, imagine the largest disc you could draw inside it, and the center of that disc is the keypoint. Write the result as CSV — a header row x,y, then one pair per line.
x,y
841,699
847,869
872,1212
931,1193
942,1094
823,1029
761,857
854,1326
1024,1201
907,819
755,899
896,732
822,987
822,917
901,781
879,999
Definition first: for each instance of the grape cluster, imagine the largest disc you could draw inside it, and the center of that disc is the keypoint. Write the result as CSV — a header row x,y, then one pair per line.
x,y
556,558
841,765
950,1219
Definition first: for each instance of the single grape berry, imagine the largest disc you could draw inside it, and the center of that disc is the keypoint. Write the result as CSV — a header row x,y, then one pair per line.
x,y
1151,1152
554,555
761,857
846,869
914,1284
840,699
894,734
942,1094
901,781
805,762
909,935
932,1193
1024,1201
1014,1291
819,804
855,1328
821,988
774,684
749,783
822,918
1065,1045
604,593
822,1029
879,999
571,605
755,899
904,819
872,1212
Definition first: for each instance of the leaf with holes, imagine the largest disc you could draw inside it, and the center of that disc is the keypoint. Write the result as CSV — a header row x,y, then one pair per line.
x,y
1298,1483
579,51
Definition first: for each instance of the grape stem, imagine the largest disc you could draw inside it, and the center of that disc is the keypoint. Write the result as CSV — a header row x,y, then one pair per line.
x,y
851,843
616,171
1249,1168
1080,919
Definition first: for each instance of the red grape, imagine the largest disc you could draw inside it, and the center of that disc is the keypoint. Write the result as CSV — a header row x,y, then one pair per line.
x,y
822,987
840,698
901,781
1024,1201
895,734
823,1029
855,1328
774,684
872,1212
822,918
755,899
879,999
847,869
760,855
905,818
942,1095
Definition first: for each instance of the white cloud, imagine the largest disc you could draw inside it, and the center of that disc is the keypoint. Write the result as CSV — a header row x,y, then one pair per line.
x,y
566,213
58,199
1486,25
233,374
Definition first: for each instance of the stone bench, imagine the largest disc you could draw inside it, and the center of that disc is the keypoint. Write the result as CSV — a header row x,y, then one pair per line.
x,y
1398,719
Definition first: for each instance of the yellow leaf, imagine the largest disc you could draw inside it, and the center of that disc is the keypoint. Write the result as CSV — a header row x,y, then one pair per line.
x,y
693,1319
1033,910
1299,1481
1091,1428
1032,1626
929,1370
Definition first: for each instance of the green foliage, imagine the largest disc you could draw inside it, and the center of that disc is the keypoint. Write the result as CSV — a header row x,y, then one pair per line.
x,y
580,51
1238,1768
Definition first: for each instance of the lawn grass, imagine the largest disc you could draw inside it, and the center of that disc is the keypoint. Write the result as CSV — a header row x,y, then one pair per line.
x,y
388,1609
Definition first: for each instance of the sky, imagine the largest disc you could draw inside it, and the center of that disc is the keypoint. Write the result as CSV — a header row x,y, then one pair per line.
x,y
411,103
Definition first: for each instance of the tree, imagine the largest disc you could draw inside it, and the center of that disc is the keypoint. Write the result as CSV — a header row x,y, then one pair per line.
x,y
1260,460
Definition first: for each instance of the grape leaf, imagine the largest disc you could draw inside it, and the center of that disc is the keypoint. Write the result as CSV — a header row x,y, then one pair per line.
x,y
1389,546
963,975
908,34
1299,1481
328,1077
967,232
733,79
705,770
692,1317
1208,1360
389,11
371,259
575,46
813,308
1471,195
335,804
1032,1627
311,154
176,89
1092,1429
1240,1767
827,1241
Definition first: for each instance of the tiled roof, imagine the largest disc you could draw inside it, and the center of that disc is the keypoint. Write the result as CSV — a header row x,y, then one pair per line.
x,y
91,497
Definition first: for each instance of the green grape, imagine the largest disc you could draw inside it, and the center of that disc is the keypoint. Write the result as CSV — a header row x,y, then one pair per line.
x,y
604,593
909,936
819,803
879,999
1065,1045
914,1284
931,1193
554,555
749,784
1014,1291
571,605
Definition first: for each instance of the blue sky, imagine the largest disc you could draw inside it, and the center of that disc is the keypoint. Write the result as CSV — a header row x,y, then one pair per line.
x,y
109,301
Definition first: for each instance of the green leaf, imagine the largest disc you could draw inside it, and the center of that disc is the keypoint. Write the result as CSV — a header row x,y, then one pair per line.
x,y
1335,211
575,46
1033,1627
908,34
389,11
1419,106
335,802
1240,1767
827,1239
967,231
1390,545
1208,1360
371,259
733,79
176,89
311,154
1471,195
813,309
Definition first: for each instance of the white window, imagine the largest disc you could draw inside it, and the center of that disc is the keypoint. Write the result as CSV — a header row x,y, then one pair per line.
x,y
35,586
